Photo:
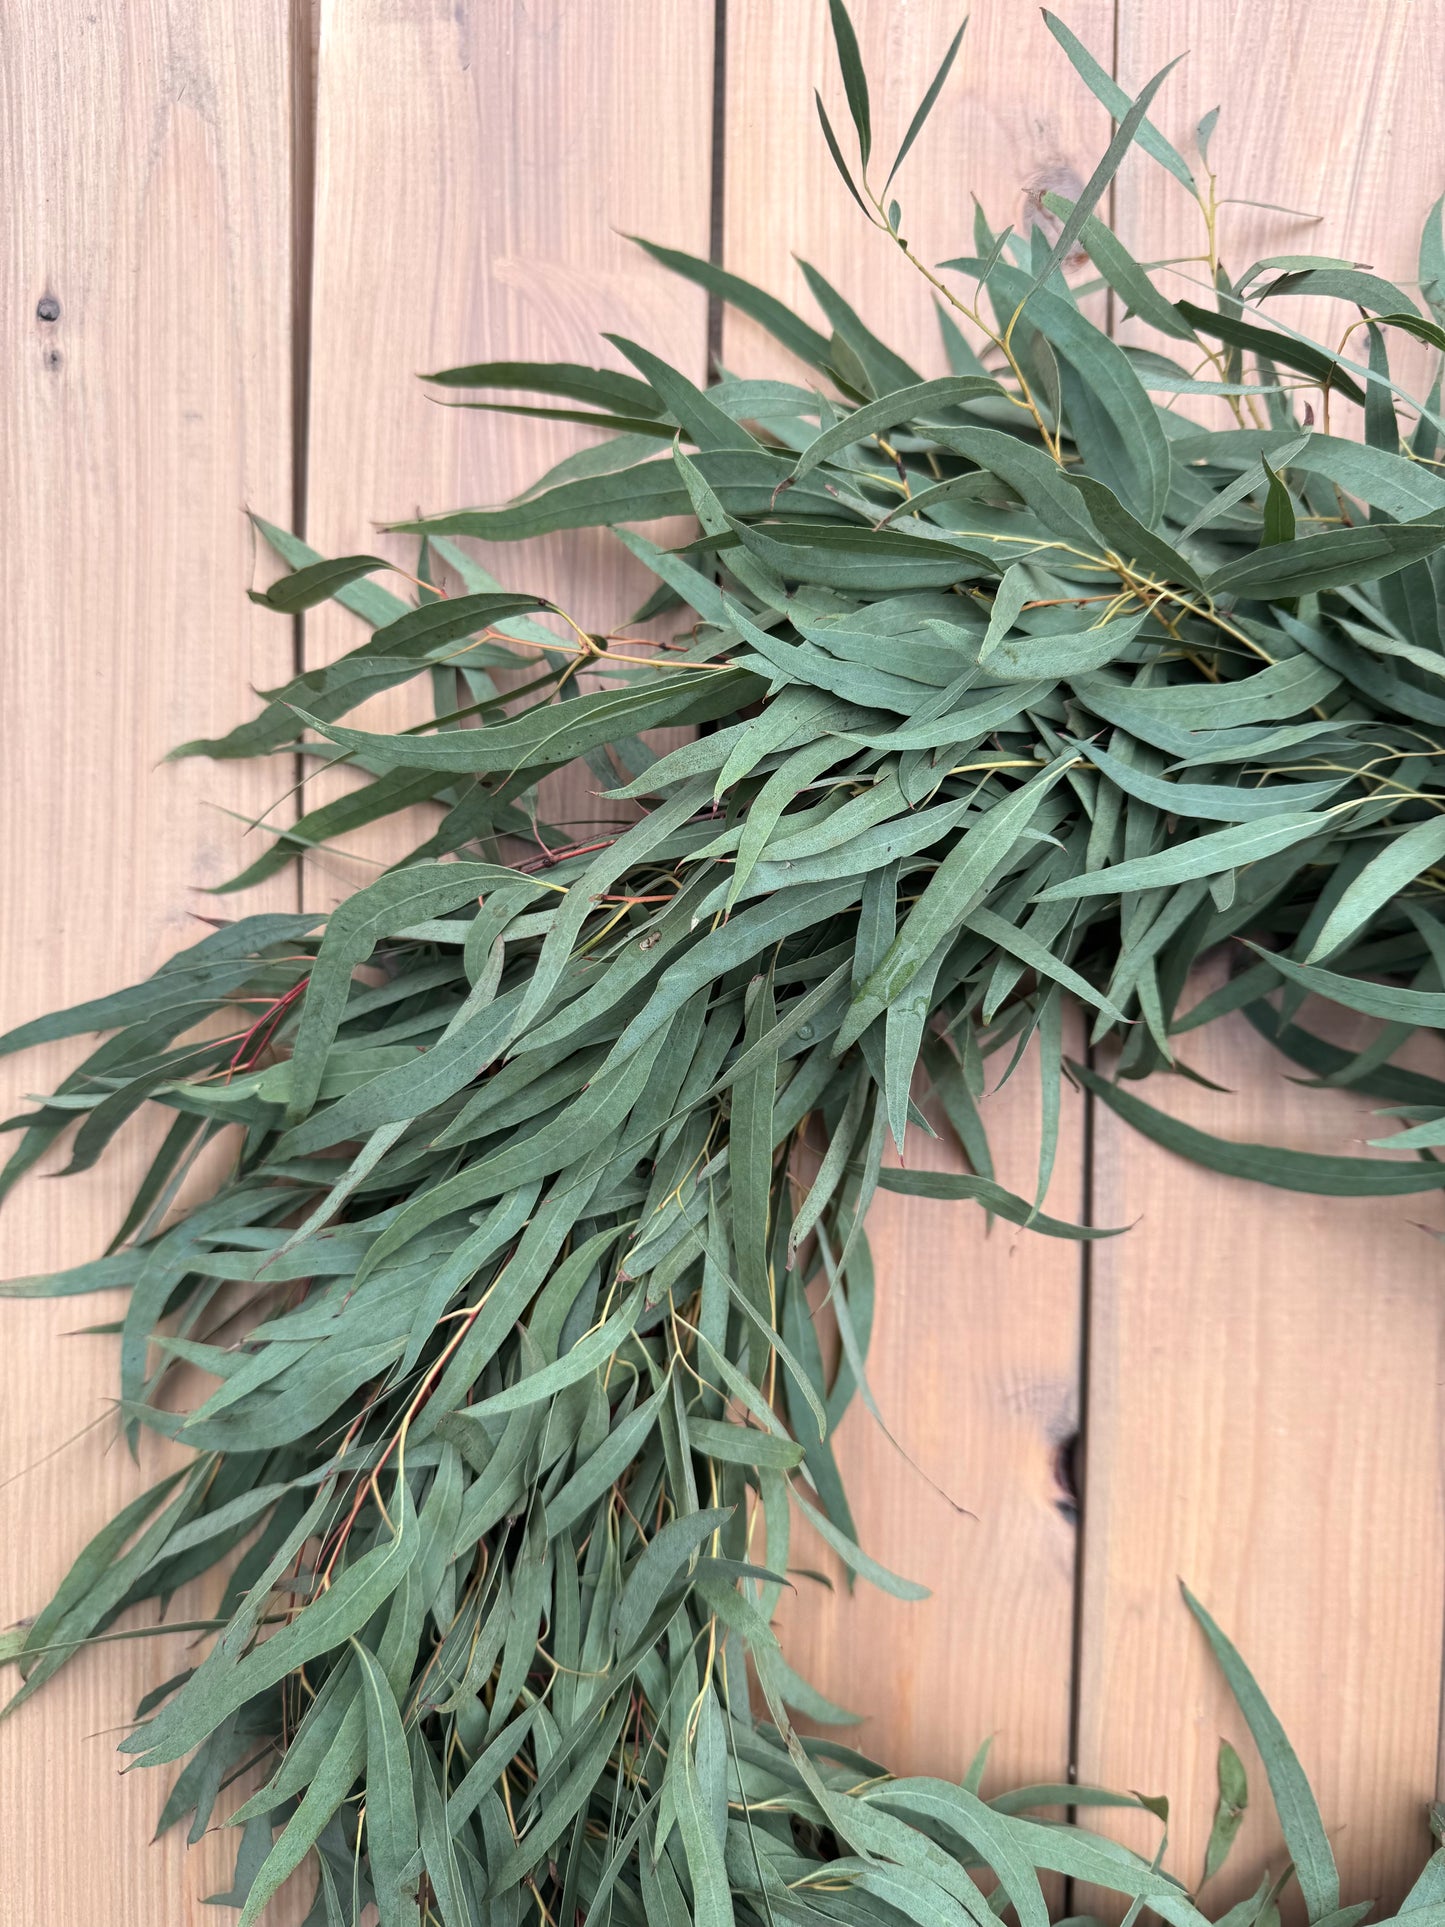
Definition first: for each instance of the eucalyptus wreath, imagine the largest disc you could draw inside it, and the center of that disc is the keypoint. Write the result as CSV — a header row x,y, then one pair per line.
x,y
1006,688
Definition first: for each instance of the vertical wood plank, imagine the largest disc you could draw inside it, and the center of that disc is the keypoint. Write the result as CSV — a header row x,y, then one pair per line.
x,y
976,1349
1264,1406
146,318
974,1364
478,169
1264,1422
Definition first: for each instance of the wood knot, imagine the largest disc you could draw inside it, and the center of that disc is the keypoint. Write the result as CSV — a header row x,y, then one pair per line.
x,y
1057,177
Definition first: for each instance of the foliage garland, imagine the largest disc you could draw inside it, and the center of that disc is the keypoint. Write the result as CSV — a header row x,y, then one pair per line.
x,y
1014,685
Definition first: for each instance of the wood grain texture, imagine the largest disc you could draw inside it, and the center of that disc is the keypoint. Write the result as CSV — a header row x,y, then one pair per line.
x,y
976,1353
1264,1407
1324,110
1013,116
1264,1421
148,152
478,169
973,1365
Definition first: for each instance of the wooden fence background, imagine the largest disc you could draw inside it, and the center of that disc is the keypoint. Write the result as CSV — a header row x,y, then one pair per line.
x,y
236,234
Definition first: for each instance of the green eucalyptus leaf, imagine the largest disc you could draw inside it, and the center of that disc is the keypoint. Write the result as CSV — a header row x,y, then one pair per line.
x,y
318,582
1330,1177
555,1139
1304,1833
926,105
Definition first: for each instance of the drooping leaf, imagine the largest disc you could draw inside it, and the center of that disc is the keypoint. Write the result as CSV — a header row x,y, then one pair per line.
x,y
1330,1177
855,81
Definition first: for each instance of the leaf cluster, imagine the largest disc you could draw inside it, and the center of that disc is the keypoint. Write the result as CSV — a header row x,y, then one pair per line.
x,y
1004,688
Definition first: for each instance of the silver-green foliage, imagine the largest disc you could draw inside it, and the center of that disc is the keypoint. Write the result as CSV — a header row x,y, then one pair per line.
x,y
1008,687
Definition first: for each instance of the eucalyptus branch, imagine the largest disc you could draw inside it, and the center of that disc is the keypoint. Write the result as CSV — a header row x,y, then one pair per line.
x,y
554,1139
